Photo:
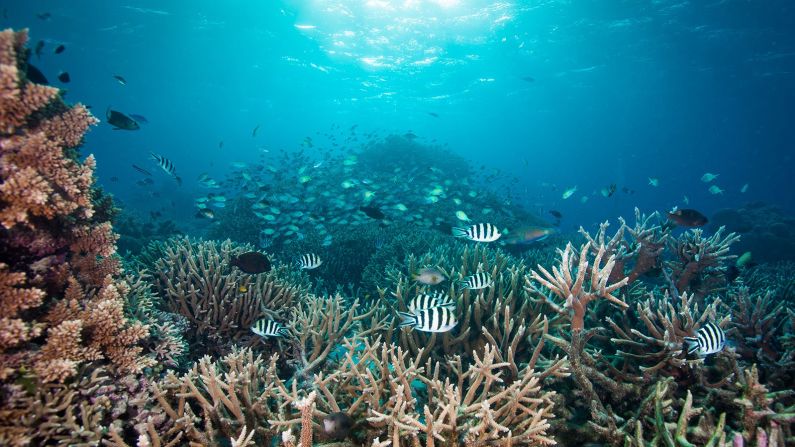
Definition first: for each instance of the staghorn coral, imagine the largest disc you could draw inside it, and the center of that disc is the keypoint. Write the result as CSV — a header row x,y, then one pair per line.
x,y
221,303
319,324
640,246
656,346
501,315
699,258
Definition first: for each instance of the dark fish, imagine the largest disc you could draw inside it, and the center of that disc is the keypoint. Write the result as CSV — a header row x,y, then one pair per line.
x,y
141,170
154,214
64,77
688,218
35,75
252,262
139,118
60,49
114,179
372,212
337,426
254,132
626,190
121,80
120,121
221,145
528,79
44,16
39,48
556,214
410,136
433,114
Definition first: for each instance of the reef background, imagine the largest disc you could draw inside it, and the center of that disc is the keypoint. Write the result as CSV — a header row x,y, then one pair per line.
x,y
577,341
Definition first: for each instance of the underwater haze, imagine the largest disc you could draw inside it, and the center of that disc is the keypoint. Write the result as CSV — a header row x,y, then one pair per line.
x,y
397,223
562,93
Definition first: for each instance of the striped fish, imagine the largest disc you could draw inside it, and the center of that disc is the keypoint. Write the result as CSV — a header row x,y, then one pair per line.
x,y
269,328
310,261
435,319
166,165
708,340
482,232
425,301
477,281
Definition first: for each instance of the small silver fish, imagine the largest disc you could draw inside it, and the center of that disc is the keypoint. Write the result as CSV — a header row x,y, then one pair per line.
x,y
269,328
436,319
477,281
310,261
429,276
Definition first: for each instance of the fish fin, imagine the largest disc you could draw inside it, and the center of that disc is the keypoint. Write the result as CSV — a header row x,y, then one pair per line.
x,y
460,232
447,305
691,344
407,320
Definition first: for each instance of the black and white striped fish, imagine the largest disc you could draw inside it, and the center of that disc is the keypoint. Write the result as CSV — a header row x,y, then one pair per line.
x,y
269,328
166,165
482,232
435,319
425,301
310,261
477,281
708,340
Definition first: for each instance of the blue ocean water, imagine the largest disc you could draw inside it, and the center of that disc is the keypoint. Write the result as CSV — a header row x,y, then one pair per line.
x,y
555,93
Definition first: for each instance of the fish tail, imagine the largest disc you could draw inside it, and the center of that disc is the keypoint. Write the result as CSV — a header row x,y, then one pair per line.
x,y
691,344
460,232
407,320
283,332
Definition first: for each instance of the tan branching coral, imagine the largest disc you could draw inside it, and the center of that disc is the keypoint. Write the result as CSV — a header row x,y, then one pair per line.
x,y
575,291
640,246
656,347
502,315
110,336
194,279
320,323
699,257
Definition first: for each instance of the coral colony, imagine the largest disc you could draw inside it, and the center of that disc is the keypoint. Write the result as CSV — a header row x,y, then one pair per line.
x,y
583,344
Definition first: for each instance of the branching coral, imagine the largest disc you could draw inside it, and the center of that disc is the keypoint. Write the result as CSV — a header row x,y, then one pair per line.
x,y
319,324
700,259
221,303
501,315
656,346
49,239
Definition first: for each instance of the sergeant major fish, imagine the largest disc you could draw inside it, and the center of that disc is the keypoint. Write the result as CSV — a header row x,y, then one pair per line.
x,y
477,281
310,261
166,165
269,328
436,319
425,301
478,232
708,340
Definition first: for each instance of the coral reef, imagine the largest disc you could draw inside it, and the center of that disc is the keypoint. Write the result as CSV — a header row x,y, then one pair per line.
x,y
221,303
156,349
766,230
